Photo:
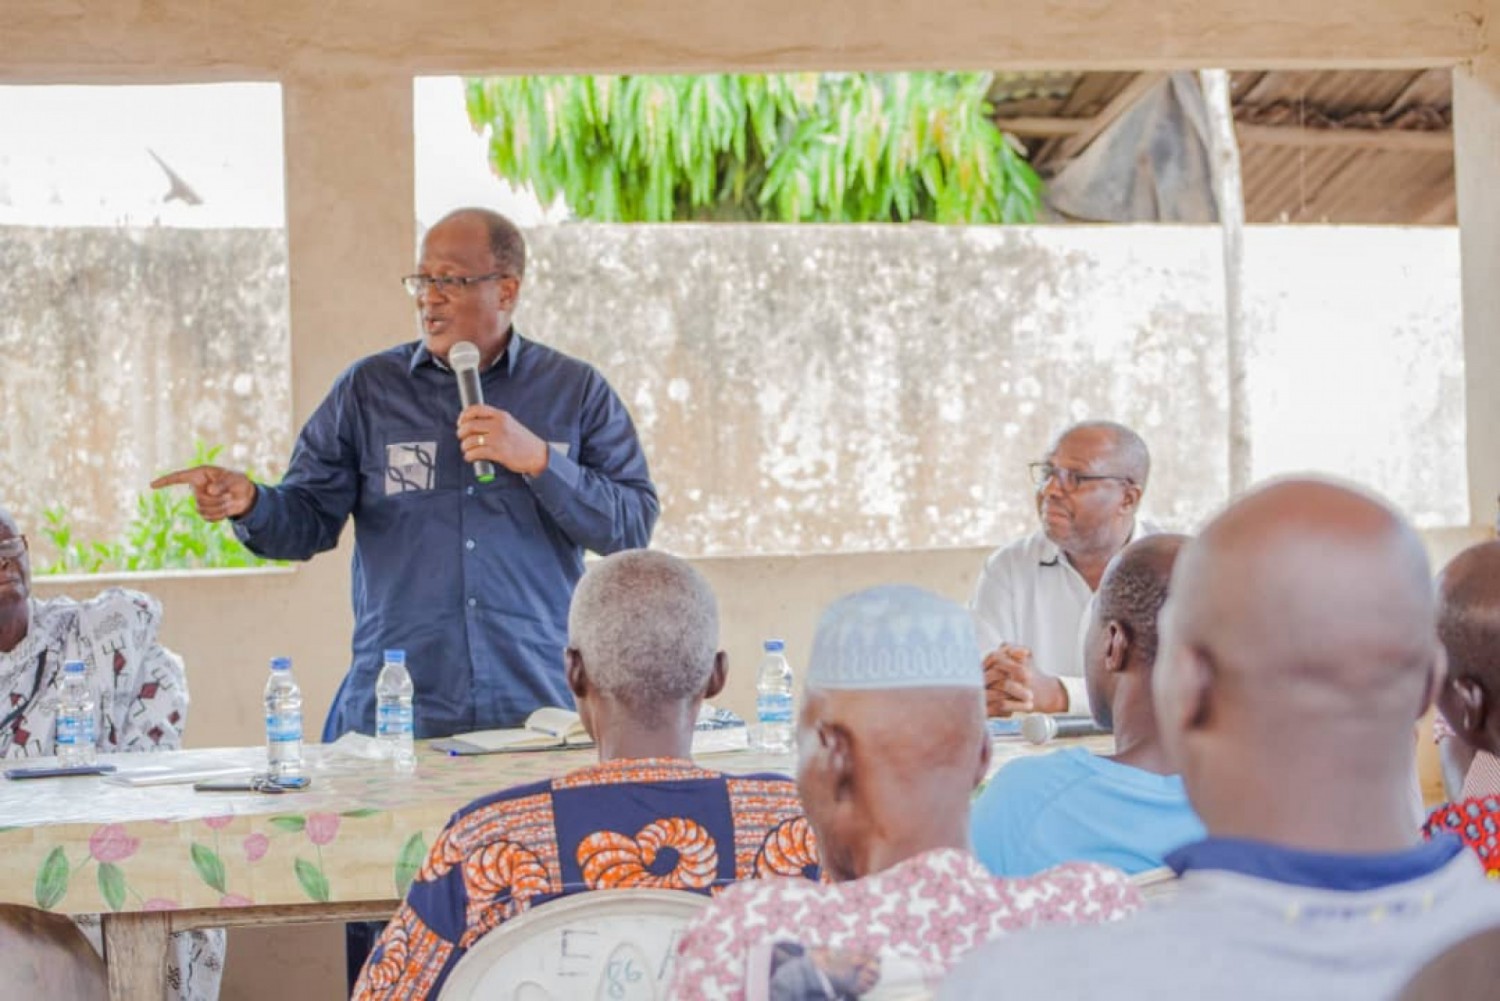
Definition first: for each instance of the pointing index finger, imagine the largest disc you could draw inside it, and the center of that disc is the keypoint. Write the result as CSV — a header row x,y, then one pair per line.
x,y
193,476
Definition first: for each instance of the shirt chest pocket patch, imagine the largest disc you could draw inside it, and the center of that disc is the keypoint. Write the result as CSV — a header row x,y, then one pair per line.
x,y
410,466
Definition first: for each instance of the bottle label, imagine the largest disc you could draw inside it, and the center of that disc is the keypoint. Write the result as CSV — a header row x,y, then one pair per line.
x,y
75,730
393,721
773,708
283,727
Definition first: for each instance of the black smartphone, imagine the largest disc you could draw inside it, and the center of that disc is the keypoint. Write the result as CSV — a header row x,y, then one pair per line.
x,y
56,771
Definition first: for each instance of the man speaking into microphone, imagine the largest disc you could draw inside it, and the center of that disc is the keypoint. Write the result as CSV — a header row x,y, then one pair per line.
x,y
468,569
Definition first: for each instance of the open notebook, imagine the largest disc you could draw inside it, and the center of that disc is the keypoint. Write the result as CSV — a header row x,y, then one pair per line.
x,y
547,728
551,729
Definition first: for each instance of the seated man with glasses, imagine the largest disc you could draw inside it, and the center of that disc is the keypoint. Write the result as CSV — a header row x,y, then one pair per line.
x,y
140,700
470,577
1030,599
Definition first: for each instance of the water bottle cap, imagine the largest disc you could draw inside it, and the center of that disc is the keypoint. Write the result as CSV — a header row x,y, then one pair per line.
x,y
775,646
281,663
395,656
74,667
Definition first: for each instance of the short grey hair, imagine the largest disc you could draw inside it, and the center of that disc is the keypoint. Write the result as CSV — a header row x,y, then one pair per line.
x,y
507,245
1129,448
647,627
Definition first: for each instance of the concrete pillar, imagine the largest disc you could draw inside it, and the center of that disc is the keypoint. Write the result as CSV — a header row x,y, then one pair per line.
x,y
350,223
1476,151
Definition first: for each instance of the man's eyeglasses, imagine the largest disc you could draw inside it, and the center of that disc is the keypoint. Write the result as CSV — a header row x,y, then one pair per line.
x,y
1068,479
446,284
12,550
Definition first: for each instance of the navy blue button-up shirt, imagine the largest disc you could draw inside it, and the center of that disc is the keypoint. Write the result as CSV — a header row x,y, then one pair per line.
x,y
472,579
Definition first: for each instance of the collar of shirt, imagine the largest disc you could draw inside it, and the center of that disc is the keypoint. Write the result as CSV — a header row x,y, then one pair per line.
x,y
421,356
1317,870
1053,556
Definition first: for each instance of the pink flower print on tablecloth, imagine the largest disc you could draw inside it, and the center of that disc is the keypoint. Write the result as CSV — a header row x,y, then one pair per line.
x,y
219,823
110,843
255,846
235,900
160,904
322,827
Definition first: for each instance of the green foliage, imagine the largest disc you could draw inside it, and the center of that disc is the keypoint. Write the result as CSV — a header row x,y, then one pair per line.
x,y
165,533
831,147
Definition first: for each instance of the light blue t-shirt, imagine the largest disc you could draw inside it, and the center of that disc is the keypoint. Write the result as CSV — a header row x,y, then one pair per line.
x,y
1073,806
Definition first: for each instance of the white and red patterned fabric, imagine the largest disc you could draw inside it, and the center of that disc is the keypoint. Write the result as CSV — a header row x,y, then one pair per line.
x,y
140,688
925,912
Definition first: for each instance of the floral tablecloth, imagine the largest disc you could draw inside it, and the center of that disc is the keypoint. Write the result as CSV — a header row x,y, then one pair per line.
x,y
85,845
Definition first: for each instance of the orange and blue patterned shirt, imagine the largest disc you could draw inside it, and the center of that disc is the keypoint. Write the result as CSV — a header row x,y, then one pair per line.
x,y
659,823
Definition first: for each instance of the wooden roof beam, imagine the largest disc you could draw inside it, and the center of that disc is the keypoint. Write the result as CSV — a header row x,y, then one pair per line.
x,y
1117,106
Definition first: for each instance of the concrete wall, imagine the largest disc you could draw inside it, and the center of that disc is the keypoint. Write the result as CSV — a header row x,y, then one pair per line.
x,y
798,389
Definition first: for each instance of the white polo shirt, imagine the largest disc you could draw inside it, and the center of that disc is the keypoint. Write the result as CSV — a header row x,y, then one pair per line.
x,y
1029,595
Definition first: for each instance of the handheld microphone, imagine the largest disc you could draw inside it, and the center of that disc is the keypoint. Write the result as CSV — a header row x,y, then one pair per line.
x,y
1038,728
463,358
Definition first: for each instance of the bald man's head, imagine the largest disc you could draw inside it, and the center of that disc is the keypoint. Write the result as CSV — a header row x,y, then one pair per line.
x,y
891,734
1469,627
1299,635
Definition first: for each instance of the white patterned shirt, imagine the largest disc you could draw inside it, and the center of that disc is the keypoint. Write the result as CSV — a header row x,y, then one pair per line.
x,y
140,687
922,914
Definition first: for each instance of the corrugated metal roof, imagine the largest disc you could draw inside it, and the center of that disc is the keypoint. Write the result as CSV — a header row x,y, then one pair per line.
x,y
1286,182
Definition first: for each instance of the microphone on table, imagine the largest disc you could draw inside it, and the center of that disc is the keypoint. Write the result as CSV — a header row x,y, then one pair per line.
x,y
463,358
1038,728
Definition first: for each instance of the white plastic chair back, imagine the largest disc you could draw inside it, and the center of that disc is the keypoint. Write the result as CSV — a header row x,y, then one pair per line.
x,y
618,945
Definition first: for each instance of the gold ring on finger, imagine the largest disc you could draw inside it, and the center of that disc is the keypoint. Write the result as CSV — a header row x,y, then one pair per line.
x,y
481,441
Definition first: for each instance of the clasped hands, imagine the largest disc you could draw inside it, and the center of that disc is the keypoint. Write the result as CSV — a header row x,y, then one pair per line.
x,y
1013,684
483,433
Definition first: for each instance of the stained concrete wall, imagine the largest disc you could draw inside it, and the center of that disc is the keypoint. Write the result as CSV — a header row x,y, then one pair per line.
x,y
799,389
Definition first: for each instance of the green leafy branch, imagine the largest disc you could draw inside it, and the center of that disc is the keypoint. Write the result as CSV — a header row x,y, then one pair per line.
x,y
164,533
807,147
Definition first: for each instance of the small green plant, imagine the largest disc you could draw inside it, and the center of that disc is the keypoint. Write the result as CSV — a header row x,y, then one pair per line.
x,y
801,147
166,533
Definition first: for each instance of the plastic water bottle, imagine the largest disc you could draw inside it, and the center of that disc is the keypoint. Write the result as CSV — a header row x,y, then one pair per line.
x,y
283,721
393,715
75,717
773,699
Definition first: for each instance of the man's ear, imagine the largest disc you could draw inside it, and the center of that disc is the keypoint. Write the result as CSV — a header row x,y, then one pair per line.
x,y
986,751
576,674
1117,641
1131,500
1468,695
510,294
837,751
1195,699
717,676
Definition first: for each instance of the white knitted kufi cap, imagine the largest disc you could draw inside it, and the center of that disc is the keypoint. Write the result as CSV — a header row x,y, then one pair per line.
x,y
895,636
